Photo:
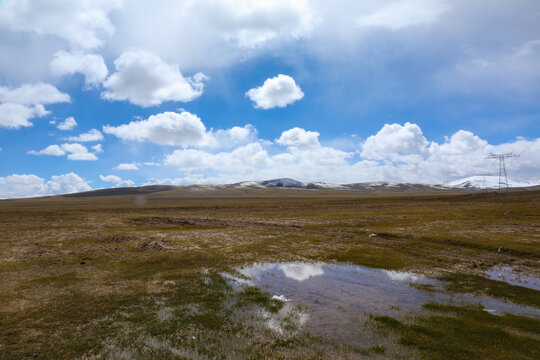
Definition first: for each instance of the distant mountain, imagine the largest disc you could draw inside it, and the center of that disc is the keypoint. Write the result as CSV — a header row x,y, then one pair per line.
x,y
140,190
369,187
472,183
486,182
286,182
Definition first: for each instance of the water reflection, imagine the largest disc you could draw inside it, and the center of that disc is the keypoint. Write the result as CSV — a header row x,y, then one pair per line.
x,y
301,271
509,275
289,318
403,276
339,296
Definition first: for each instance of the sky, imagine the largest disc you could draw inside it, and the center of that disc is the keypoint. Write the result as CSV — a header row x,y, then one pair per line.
x,y
111,93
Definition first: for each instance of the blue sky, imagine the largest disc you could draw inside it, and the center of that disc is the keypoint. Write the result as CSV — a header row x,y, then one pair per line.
x,y
220,91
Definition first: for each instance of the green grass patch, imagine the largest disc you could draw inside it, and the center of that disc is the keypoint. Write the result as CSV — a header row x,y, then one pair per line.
x,y
468,333
478,284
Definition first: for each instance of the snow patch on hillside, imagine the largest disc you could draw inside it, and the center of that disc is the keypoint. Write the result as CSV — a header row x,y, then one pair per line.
x,y
486,182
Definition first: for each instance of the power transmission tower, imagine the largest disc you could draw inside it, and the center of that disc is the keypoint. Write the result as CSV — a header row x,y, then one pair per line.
x,y
502,167
484,182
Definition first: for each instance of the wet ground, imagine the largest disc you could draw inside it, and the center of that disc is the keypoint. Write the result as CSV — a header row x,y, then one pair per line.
x,y
513,277
333,300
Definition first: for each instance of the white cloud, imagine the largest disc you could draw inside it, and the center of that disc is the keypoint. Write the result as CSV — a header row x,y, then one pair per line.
x,y
168,128
189,179
182,129
462,142
31,94
127,166
306,152
278,91
240,160
14,116
75,151
404,13
393,141
78,152
251,23
144,79
18,106
212,33
399,152
98,149
92,66
111,178
117,181
84,24
53,150
305,158
90,136
232,137
23,185
68,124
300,138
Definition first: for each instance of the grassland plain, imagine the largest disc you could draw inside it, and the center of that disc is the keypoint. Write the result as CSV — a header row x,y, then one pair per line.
x,y
100,277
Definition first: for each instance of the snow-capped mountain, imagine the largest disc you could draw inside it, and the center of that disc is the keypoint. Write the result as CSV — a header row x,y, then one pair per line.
x,y
486,182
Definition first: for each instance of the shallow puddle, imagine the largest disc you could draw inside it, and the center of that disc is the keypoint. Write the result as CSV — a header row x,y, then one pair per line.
x,y
338,297
508,275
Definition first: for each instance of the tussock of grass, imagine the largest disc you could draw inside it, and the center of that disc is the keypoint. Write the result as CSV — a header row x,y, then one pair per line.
x,y
253,295
468,333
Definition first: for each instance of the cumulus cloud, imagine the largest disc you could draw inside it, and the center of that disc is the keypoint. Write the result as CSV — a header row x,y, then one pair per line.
x,y
54,150
92,66
90,136
395,140
241,160
233,137
396,153
144,79
98,148
18,106
278,91
110,178
168,128
68,124
29,94
78,152
74,151
22,185
117,181
127,166
14,116
83,24
305,158
300,138
182,129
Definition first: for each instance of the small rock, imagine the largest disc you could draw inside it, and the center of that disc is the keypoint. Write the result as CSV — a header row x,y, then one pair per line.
x,y
150,245
372,235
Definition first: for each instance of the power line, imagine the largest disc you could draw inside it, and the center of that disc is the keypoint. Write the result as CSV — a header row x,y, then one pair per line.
x,y
502,167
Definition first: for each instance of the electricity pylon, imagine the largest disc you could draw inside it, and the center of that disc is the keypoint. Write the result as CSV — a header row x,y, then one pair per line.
x,y
502,167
